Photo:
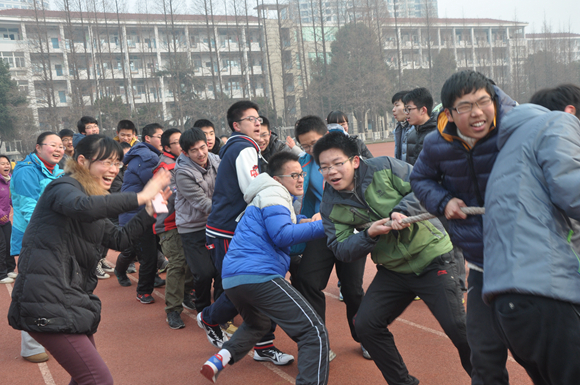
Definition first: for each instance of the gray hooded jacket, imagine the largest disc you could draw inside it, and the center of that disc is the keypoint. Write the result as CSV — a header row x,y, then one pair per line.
x,y
531,202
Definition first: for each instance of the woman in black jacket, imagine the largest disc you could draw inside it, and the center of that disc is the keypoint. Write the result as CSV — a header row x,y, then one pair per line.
x,y
53,296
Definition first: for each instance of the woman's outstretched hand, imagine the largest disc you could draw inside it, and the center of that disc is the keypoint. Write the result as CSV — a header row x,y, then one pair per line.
x,y
158,184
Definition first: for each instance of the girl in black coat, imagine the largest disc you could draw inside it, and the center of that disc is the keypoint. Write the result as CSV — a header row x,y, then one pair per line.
x,y
53,296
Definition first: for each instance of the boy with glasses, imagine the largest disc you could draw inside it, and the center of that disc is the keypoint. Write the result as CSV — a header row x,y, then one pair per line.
x,y
411,259
418,106
452,172
87,125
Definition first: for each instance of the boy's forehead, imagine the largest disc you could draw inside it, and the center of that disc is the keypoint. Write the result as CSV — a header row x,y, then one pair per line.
x,y
331,155
468,95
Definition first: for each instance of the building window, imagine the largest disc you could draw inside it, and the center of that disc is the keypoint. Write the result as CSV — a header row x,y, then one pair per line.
x,y
58,69
54,42
62,96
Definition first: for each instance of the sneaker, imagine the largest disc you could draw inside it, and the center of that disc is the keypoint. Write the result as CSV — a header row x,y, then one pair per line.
x,y
188,303
145,298
122,278
272,354
7,280
213,332
174,320
12,274
100,273
331,355
417,298
365,353
105,266
212,367
340,298
131,269
37,358
229,328
159,281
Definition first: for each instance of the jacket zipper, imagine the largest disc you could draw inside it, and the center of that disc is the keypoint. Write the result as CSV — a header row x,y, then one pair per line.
x,y
474,179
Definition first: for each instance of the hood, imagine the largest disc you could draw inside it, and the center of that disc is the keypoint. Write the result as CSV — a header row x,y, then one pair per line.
x,y
428,125
334,127
32,160
133,141
262,182
143,150
519,116
238,137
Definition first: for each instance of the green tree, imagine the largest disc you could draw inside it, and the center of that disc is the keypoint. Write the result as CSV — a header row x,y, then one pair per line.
x,y
11,100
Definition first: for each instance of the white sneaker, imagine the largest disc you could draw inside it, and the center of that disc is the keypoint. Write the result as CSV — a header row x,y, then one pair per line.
x,y
7,280
273,355
331,355
100,273
106,267
12,274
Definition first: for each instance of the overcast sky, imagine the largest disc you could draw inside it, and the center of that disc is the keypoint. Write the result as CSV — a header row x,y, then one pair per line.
x,y
562,15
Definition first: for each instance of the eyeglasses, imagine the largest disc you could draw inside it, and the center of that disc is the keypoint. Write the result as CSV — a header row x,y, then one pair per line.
x,y
67,140
172,143
54,146
408,109
308,147
294,175
326,170
264,135
109,164
252,119
466,107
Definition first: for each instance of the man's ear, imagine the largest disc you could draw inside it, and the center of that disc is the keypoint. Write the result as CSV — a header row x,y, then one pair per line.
x,y
356,161
236,126
570,109
448,114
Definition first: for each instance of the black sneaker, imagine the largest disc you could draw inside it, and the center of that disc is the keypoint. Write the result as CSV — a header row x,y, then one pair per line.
x,y
273,355
159,281
131,269
100,273
145,298
174,320
188,304
105,266
122,278
214,333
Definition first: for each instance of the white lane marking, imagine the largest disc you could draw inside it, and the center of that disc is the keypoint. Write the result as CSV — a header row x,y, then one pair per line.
x,y
42,366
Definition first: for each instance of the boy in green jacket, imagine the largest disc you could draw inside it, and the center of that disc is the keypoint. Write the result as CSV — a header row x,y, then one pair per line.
x,y
412,260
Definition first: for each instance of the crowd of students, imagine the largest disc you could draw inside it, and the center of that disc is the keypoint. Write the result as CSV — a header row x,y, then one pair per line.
x,y
243,213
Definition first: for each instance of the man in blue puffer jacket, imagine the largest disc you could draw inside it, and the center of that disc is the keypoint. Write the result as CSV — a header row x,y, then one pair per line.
x,y
254,268
452,172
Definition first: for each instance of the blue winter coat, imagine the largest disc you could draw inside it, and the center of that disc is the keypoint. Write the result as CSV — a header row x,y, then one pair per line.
x,y
260,248
141,159
448,168
29,179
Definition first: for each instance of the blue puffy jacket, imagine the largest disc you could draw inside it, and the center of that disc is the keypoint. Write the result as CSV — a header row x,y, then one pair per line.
x,y
260,248
449,168
141,159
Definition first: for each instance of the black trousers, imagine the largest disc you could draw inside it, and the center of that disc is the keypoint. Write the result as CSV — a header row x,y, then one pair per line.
x,y
543,335
488,351
276,300
204,272
389,295
311,276
7,261
146,251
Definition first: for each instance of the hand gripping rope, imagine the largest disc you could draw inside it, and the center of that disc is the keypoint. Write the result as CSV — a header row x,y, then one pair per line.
x,y
426,216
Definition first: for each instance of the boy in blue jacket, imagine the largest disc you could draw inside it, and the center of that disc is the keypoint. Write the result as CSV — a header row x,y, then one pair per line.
x,y
254,268
452,172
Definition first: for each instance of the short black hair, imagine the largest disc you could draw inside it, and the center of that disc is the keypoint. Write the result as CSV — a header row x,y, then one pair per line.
x,y
236,111
98,147
126,125
84,121
421,97
336,117
309,123
338,140
150,129
65,132
265,122
124,145
278,160
166,135
463,83
556,99
190,137
399,96
200,123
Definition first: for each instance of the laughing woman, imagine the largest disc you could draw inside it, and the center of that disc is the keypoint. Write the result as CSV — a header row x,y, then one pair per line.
x,y
53,296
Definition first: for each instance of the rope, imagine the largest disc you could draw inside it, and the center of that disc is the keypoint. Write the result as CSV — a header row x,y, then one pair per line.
x,y
426,216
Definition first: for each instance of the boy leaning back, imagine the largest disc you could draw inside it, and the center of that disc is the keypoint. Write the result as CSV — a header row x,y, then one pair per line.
x,y
412,260
452,172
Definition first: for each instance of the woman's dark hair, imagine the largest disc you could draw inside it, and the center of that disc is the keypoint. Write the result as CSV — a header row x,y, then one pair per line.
x,y
41,138
98,147
336,117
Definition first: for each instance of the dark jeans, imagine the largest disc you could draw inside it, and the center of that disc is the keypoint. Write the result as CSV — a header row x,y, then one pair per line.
x,y
276,300
543,335
488,351
223,310
204,272
7,262
311,276
146,250
78,355
389,295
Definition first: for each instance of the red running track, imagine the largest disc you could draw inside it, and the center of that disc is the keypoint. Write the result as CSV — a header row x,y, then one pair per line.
x,y
140,348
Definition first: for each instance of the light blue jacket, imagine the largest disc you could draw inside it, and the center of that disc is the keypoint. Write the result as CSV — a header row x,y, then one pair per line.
x,y
29,179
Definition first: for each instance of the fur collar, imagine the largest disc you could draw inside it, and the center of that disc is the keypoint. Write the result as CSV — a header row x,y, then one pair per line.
x,y
82,175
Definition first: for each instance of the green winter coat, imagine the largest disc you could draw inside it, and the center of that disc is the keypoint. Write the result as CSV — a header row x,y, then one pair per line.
x,y
382,186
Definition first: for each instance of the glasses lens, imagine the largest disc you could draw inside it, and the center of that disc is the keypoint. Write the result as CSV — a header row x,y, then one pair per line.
x,y
463,108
